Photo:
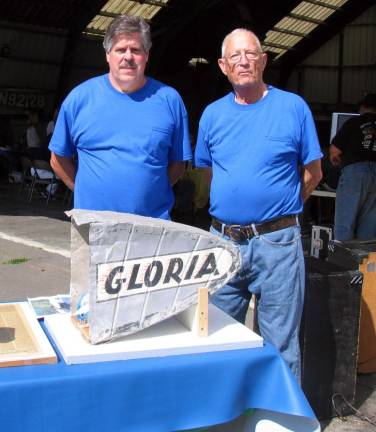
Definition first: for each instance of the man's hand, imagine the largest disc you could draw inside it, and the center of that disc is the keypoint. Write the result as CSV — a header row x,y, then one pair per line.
x,y
65,168
208,175
175,171
335,155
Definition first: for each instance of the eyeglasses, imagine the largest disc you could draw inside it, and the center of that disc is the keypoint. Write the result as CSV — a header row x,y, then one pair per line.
x,y
237,56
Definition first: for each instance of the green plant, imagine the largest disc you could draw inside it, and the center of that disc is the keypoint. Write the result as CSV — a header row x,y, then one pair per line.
x,y
14,261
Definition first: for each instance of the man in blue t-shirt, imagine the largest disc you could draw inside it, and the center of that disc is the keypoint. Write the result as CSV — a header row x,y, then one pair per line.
x,y
121,139
261,150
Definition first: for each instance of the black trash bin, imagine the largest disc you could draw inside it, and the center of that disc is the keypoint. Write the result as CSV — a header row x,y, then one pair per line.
x,y
361,255
329,336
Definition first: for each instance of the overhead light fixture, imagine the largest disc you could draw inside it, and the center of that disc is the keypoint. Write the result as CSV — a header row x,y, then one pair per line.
x,y
195,61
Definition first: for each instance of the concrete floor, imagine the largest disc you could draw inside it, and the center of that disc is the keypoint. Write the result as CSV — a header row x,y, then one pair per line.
x,y
39,237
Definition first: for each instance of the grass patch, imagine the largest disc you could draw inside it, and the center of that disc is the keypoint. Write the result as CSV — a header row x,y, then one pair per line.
x,y
15,261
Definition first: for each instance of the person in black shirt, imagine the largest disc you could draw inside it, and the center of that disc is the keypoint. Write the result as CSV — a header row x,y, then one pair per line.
x,y
354,149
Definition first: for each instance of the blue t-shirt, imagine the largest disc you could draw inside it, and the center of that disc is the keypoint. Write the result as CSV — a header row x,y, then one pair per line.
x,y
255,152
124,144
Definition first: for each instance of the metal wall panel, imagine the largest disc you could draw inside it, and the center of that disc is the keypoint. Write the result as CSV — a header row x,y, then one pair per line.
x,y
89,53
357,83
33,61
320,85
36,59
89,60
293,82
326,55
360,44
31,44
368,17
18,74
320,74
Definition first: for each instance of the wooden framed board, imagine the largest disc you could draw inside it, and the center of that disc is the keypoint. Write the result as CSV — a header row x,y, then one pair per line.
x,y
22,340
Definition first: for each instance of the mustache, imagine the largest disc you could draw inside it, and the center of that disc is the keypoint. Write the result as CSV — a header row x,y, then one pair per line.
x,y
128,63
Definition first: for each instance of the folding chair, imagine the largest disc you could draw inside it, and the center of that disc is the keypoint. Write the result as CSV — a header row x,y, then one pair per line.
x,y
26,176
43,175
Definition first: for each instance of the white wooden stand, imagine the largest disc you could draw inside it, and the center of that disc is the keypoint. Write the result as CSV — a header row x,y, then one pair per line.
x,y
195,318
169,337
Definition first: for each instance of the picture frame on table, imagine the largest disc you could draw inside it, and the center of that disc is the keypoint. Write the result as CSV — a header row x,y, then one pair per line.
x,y
22,340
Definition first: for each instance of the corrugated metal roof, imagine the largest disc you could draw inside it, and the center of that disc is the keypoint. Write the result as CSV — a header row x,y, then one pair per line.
x,y
147,9
298,24
43,14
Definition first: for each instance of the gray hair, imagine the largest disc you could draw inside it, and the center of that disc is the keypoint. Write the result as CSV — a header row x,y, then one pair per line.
x,y
236,31
126,24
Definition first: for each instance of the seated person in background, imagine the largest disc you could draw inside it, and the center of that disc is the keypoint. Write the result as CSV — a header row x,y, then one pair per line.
x,y
35,150
51,125
33,138
354,149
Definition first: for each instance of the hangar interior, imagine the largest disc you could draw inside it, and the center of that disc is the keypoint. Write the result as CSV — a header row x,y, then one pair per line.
x,y
323,50
320,49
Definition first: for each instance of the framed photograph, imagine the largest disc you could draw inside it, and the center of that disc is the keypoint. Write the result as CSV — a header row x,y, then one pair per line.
x,y
22,340
49,305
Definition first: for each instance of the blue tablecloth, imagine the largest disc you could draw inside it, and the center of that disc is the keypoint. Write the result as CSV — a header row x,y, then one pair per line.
x,y
148,395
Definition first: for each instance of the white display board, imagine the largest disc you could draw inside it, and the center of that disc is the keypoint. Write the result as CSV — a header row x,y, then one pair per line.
x,y
338,119
168,337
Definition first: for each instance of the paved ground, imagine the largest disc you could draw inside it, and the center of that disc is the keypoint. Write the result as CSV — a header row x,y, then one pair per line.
x,y
34,246
34,261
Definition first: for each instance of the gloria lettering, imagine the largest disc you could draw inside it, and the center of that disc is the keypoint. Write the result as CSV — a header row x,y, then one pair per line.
x,y
119,279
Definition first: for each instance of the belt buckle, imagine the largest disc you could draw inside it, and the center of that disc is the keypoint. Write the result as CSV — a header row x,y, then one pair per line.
x,y
249,232
236,233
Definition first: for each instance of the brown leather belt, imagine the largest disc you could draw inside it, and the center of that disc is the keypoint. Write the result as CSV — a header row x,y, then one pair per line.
x,y
239,233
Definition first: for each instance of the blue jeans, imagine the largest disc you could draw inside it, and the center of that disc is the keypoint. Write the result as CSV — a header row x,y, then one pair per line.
x,y
272,268
355,214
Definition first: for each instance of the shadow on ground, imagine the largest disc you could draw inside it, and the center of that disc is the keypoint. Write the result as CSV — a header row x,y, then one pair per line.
x,y
13,201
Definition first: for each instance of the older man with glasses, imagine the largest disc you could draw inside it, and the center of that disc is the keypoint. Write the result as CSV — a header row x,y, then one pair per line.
x,y
260,147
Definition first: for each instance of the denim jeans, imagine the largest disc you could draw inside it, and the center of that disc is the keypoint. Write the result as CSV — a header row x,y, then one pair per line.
x,y
355,213
272,268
